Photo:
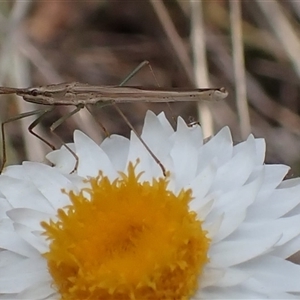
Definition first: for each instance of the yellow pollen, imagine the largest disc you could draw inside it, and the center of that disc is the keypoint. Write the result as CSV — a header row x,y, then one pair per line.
x,y
126,240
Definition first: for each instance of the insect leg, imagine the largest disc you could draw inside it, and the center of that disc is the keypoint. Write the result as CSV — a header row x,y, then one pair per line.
x,y
141,140
44,113
40,112
98,122
136,70
58,123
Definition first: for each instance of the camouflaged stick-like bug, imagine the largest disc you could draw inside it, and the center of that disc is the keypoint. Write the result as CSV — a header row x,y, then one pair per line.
x,y
80,95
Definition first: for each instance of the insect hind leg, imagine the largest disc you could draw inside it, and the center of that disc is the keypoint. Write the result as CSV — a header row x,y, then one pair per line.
x,y
57,123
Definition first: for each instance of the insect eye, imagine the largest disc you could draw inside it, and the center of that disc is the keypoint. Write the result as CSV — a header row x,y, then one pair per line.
x,y
34,93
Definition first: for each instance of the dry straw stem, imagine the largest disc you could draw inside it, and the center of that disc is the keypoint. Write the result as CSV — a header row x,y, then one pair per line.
x,y
17,51
283,29
174,38
254,37
198,75
200,63
239,67
83,119
257,96
14,66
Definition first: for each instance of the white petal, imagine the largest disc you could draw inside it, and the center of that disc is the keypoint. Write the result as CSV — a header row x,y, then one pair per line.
x,y
288,228
213,227
4,206
260,149
8,258
165,123
116,148
185,153
40,290
35,241
278,275
237,292
92,158
233,206
277,205
62,159
29,217
273,175
232,277
22,194
230,253
50,183
17,277
210,277
201,184
251,216
138,152
11,241
288,248
236,171
204,207
219,149
155,136
17,172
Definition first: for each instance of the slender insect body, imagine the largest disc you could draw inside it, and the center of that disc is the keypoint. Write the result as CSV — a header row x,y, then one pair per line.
x,y
80,95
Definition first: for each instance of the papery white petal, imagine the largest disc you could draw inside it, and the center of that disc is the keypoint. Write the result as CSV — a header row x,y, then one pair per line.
x,y
273,175
236,292
201,184
11,187
35,241
40,290
165,123
251,216
156,136
8,258
111,146
91,157
49,183
29,217
185,154
17,277
138,152
232,277
288,248
218,149
10,240
236,171
278,275
224,255
62,160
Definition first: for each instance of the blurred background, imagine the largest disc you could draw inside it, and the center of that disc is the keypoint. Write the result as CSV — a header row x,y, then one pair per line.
x,y
250,47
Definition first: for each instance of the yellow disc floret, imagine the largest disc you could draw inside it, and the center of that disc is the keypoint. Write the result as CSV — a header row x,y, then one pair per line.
x,y
126,239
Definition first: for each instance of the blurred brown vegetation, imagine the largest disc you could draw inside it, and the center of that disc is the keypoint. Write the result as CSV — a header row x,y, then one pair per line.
x,y
100,42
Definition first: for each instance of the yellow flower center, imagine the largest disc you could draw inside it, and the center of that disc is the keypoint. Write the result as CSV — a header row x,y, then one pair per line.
x,y
126,240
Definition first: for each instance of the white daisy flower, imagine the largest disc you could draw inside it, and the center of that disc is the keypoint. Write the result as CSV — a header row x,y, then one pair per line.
x,y
219,226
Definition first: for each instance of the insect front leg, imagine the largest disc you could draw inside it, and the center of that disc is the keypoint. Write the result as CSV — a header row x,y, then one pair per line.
x,y
41,113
